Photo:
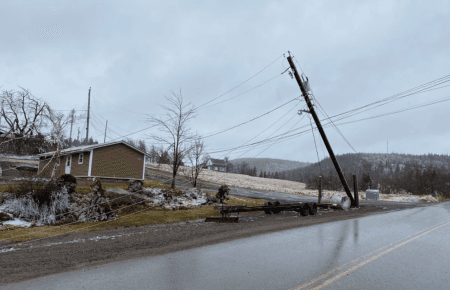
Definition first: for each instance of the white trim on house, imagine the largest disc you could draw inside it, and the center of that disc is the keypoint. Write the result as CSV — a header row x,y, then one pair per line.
x,y
81,156
68,164
143,170
90,162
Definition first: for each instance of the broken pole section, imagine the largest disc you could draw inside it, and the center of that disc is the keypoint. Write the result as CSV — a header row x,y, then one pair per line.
x,y
321,131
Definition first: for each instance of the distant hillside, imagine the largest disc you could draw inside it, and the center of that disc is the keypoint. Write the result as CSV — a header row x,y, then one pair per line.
x,y
268,164
377,164
394,173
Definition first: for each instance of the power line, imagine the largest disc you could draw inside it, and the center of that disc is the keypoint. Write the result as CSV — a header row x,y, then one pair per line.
x,y
278,75
116,105
250,120
272,134
282,137
266,128
240,83
315,145
278,140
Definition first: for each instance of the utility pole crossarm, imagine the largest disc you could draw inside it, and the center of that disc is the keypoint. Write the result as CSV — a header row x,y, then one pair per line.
x,y
322,132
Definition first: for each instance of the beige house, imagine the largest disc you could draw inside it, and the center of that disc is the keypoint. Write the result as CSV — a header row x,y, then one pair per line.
x,y
112,160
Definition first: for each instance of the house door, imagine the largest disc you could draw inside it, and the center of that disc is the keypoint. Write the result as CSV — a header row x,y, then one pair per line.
x,y
68,163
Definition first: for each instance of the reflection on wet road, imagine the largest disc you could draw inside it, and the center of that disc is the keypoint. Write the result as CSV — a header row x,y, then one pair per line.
x,y
397,250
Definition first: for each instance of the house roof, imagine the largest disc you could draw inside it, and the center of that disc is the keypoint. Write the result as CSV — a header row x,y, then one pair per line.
x,y
217,161
89,148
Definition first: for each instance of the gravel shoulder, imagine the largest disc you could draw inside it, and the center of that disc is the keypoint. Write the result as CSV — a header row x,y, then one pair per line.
x,y
86,250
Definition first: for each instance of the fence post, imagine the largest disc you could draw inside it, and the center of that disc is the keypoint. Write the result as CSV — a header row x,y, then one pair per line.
x,y
320,188
355,190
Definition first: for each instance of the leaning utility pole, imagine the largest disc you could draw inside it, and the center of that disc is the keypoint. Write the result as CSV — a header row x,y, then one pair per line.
x,y
89,107
322,132
104,140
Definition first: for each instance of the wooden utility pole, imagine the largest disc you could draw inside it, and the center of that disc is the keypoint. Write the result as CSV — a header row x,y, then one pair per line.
x,y
89,107
105,131
78,137
71,125
321,131
355,190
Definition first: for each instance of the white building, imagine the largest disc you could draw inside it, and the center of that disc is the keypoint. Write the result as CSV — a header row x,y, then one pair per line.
x,y
216,165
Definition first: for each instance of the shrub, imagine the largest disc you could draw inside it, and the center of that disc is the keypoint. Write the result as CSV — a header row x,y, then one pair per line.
x,y
39,190
67,179
222,193
27,208
96,186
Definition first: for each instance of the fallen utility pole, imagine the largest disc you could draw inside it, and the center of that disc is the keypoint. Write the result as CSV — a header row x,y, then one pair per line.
x,y
322,132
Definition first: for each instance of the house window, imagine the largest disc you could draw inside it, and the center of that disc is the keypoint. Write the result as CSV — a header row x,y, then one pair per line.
x,y
68,161
216,168
58,161
80,158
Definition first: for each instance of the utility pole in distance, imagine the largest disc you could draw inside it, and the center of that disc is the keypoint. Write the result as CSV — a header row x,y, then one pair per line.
x,y
72,114
89,107
104,140
322,132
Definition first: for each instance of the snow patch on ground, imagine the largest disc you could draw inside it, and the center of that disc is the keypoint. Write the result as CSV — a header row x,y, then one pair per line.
x,y
19,157
284,186
15,222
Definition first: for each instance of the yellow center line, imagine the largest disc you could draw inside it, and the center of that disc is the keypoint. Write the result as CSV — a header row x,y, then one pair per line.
x,y
329,281
354,261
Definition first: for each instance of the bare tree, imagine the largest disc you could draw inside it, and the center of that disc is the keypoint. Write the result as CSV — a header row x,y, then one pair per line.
x,y
22,112
176,133
59,123
142,146
243,167
226,159
74,119
197,158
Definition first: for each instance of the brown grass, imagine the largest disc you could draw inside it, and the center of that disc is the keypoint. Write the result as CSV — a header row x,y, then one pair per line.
x,y
146,216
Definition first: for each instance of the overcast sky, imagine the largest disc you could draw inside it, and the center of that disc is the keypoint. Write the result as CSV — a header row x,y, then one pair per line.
x,y
133,53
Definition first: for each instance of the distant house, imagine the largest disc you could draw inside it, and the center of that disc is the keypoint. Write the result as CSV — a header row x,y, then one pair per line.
x,y
216,164
112,160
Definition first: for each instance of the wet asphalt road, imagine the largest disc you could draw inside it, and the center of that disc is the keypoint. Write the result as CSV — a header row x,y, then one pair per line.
x,y
405,249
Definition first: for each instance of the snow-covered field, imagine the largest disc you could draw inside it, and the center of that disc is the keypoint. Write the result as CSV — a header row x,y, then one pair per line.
x,y
7,156
284,186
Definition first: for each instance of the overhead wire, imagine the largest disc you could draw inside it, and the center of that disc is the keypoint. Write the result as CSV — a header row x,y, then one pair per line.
x,y
240,83
153,126
277,141
315,145
268,136
278,75
265,129
282,137
246,122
